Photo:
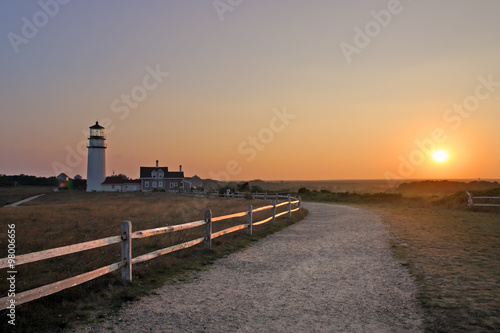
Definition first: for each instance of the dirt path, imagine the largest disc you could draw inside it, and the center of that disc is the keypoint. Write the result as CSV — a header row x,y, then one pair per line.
x,y
15,204
332,272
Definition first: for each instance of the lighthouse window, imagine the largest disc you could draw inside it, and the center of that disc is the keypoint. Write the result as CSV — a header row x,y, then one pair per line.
x,y
96,132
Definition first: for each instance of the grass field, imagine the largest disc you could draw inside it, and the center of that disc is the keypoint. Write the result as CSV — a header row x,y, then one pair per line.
x,y
10,195
454,256
65,218
452,251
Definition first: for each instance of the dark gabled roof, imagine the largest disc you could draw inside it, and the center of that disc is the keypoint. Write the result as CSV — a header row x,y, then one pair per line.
x,y
132,181
96,126
177,174
113,181
119,181
146,172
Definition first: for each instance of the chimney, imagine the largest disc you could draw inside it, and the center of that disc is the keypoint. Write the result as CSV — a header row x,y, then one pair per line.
x,y
156,163
180,168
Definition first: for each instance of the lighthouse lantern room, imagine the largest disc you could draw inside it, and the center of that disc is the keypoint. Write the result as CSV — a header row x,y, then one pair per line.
x,y
96,161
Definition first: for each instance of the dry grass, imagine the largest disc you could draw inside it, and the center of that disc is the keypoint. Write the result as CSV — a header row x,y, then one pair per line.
x,y
10,195
455,257
64,218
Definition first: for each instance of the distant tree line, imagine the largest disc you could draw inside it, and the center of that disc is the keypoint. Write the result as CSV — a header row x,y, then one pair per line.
x,y
349,197
75,184
25,180
446,186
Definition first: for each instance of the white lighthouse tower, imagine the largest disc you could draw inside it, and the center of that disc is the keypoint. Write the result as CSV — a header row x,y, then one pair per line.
x,y
96,161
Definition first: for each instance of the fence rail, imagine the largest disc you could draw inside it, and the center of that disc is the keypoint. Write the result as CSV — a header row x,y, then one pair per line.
x,y
125,238
238,195
472,203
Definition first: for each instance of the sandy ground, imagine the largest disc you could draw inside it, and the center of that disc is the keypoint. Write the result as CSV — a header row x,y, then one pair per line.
x,y
332,272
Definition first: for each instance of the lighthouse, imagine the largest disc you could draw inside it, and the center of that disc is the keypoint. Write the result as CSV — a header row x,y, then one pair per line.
x,y
96,161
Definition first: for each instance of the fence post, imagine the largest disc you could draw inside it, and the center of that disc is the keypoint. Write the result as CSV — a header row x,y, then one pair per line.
x,y
289,207
273,212
470,198
208,229
126,231
249,220
265,196
300,204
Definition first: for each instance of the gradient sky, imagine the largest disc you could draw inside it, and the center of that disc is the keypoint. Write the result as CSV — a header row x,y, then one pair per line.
x,y
232,69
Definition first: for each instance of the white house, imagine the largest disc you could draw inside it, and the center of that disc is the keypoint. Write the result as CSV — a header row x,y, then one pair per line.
x,y
160,179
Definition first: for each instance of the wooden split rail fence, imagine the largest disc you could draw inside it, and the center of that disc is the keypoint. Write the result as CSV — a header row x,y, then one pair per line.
x,y
238,195
472,203
125,238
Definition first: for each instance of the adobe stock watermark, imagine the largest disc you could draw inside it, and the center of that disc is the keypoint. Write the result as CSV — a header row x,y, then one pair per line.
x,y
121,106
31,26
373,28
250,147
224,6
453,117
11,274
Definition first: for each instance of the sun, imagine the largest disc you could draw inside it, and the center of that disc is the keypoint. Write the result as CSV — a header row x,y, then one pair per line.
x,y
440,155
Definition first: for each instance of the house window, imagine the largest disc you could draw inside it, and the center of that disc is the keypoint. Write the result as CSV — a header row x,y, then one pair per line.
x,y
146,184
153,174
160,184
174,185
154,184
160,174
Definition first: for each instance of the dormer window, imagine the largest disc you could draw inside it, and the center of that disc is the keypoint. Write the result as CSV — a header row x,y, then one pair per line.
x,y
153,174
160,174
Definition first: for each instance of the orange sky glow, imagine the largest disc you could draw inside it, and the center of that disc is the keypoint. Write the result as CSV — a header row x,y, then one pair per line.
x,y
276,91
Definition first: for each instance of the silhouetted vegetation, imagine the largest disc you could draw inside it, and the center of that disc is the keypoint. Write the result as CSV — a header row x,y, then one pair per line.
x,y
256,189
243,187
25,180
348,197
445,186
77,184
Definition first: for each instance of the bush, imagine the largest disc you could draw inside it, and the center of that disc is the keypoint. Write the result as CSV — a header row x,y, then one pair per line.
x,y
243,187
303,190
257,189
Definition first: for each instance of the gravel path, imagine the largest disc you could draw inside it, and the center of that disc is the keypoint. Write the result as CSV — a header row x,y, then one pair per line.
x,y
332,272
